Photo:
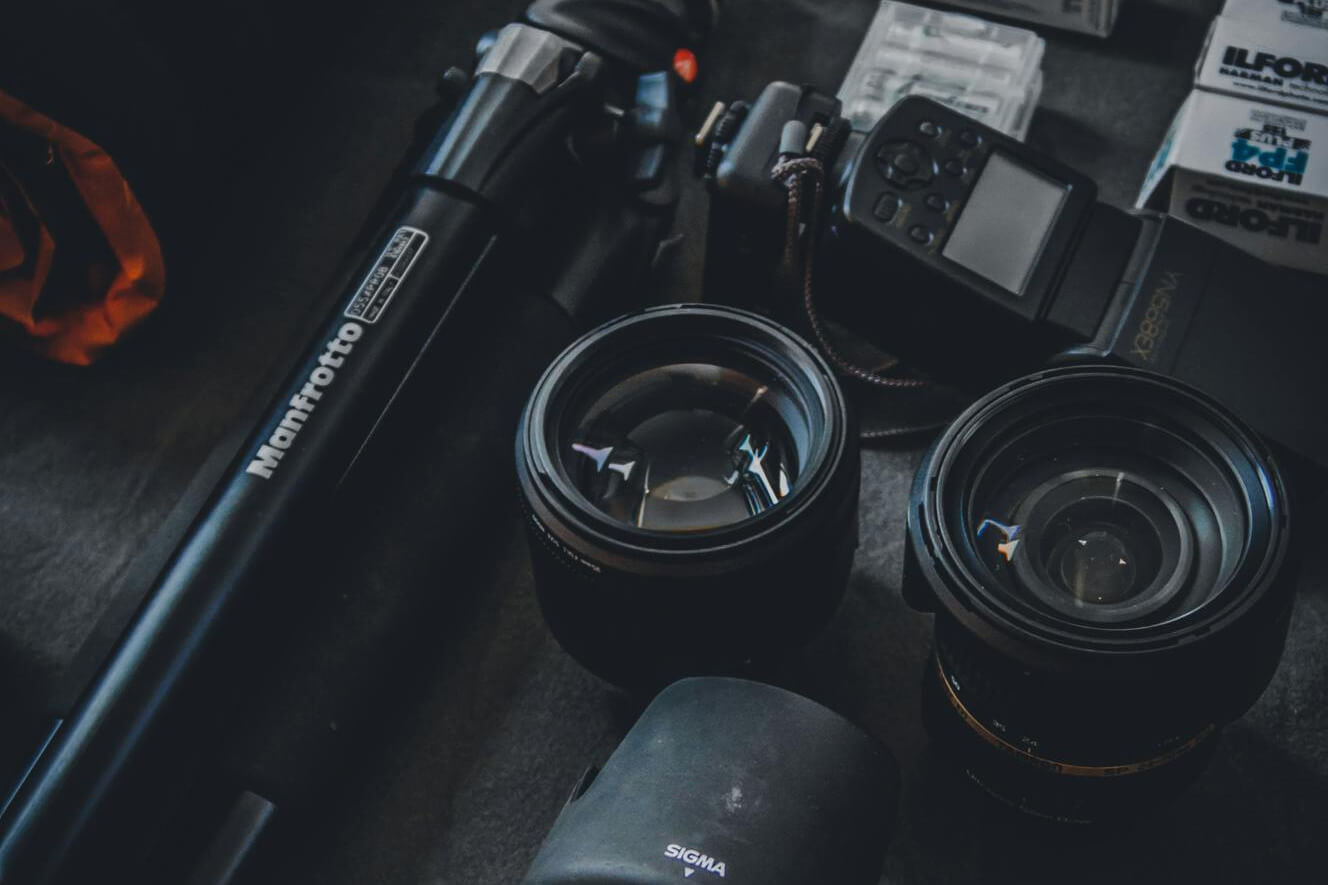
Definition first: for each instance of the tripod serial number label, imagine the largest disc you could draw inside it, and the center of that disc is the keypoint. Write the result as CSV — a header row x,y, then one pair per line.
x,y
387,274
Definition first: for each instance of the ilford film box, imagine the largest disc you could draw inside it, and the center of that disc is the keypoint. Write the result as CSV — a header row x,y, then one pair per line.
x,y
1095,17
1267,60
1308,14
1255,175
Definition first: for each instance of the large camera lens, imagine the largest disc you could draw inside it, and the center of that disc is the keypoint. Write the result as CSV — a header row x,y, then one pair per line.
x,y
1104,551
692,482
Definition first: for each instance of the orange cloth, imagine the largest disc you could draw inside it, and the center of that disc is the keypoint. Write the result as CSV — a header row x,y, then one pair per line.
x,y
98,318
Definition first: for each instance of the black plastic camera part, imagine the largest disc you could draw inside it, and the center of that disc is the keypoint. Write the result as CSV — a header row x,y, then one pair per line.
x,y
748,213
1106,553
643,34
729,781
690,475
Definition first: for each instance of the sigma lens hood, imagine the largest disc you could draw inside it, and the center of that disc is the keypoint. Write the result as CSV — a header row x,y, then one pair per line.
x,y
729,781
1104,549
690,475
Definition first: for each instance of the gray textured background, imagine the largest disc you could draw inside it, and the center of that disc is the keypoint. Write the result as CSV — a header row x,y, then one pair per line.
x,y
462,780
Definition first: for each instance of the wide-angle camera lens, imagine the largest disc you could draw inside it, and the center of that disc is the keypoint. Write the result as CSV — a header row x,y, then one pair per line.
x,y
1104,552
691,477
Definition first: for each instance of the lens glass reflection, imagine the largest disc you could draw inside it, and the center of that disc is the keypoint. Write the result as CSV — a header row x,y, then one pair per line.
x,y
686,447
1089,543
1095,567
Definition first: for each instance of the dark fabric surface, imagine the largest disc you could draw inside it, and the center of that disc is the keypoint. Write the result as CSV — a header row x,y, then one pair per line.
x,y
475,743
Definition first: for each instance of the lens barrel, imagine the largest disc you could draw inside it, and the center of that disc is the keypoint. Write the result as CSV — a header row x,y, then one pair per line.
x,y
690,475
726,780
1104,550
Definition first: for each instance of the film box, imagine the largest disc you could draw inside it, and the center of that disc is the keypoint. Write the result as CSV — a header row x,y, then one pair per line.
x,y
1255,175
1095,17
1311,15
1266,59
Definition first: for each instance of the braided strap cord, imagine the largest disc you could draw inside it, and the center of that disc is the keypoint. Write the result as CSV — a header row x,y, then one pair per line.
x,y
797,176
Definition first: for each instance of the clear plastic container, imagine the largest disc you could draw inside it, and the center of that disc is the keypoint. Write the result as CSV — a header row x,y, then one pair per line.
x,y
991,72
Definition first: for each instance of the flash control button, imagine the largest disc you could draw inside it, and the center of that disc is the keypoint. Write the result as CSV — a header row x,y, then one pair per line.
x,y
886,207
906,164
919,234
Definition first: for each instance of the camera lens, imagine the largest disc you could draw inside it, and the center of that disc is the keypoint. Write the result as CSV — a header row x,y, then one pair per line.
x,y
691,477
1104,551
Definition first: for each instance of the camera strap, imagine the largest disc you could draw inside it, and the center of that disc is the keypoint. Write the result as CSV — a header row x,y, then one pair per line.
x,y
803,177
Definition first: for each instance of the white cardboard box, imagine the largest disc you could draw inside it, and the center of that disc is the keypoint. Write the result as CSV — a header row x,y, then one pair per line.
x,y
989,71
1095,17
1307,14
1254,175
1267,61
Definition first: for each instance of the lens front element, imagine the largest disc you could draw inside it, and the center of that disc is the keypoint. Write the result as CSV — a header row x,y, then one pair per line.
x,y
1100,545
686,447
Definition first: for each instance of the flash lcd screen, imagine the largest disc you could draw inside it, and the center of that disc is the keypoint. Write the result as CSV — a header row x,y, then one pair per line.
x,y
1005,225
